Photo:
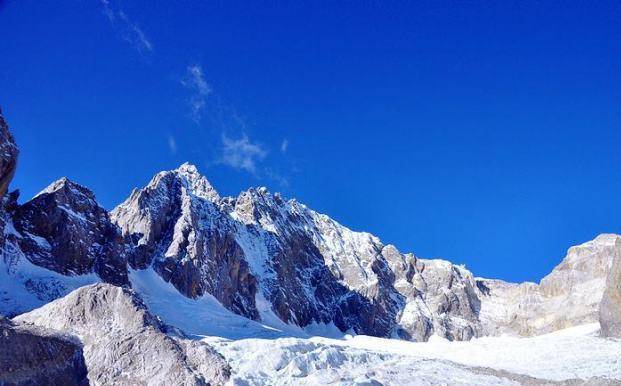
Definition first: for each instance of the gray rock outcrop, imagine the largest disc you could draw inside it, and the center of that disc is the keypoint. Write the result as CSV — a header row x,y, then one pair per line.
x,y
124,344
32,356
8,156
610,307
569,296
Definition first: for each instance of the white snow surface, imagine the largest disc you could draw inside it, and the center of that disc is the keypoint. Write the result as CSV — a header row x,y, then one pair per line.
x,y
200,317
575,353
25,286
274,353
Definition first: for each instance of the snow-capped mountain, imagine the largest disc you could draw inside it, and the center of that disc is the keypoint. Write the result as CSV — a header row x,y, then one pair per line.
x,y
259,249
267,258
203,289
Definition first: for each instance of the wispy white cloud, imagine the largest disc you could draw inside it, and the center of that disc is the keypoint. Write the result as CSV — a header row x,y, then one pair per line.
x,y
280,179
241,153
172,144
236,149
284,145
127,29
194,80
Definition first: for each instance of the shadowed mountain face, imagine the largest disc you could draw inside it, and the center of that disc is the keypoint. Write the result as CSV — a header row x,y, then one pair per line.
x,y
264,257
31,355
64,229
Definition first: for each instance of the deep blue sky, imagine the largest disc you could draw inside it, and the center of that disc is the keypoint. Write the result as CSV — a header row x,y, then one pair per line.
x,y
487,133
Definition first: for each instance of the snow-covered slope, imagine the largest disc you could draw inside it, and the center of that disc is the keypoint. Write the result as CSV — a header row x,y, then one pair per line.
x,y
576,356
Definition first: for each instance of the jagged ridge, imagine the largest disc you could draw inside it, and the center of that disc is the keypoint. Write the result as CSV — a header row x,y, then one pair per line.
x,y
262,256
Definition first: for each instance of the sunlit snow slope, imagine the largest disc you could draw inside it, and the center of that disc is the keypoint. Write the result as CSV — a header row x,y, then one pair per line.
x,y
573,356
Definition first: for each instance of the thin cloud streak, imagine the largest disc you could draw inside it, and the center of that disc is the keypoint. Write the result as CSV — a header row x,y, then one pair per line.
x,y
236,149
194,80
172,145
126,28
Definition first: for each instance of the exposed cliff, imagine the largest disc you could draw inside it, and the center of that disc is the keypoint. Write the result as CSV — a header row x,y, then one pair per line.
x,y
570,295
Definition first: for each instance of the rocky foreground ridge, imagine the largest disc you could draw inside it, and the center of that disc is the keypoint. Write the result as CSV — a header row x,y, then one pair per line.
x,y
31,355
124,344
262,257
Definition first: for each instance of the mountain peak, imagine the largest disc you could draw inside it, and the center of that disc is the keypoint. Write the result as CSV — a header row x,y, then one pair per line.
x,y
189,177
67,186
195,182
187,168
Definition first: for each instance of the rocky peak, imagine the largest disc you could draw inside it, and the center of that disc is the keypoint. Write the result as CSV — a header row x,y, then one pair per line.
x,y
570,295
196,183
69,201
177,225
586,262
259,206
64,229
170,195
69,194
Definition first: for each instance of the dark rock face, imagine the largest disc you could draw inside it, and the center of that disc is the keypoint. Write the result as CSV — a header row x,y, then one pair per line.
x,y
322,272
610,307
64,229
124,344
174,226
8,156
302,288
310,269
37,356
